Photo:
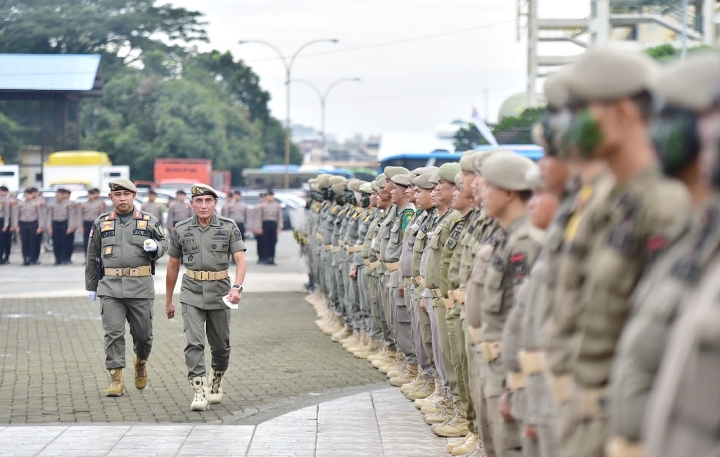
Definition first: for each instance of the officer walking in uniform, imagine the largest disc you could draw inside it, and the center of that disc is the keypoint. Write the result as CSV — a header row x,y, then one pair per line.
x,y
89,211
179,210
124,245
206,241
153,207
29,222
62,223
5,225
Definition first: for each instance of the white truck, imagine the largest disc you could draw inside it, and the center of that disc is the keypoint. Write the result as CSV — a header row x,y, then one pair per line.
x,y
78,169
10,177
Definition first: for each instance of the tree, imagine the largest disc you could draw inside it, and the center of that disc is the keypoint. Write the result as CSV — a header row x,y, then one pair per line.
x,y
144,117
510,130
666,52
122,30
9,141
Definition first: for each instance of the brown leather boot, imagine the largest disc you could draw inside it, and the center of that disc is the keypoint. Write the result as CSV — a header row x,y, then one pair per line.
x,y
141,376
116,383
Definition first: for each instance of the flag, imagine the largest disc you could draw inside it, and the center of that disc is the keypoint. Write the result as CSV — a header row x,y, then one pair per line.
x,y
483,127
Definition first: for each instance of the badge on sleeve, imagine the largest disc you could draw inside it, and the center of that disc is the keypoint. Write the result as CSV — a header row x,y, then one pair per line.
x,y
655,246
518,267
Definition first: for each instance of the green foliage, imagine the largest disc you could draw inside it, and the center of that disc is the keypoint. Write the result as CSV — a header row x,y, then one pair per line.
x,y
161,99
517,129
665,52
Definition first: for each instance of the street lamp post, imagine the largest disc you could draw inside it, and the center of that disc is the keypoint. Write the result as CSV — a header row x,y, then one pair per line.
x,y
323,102
288,68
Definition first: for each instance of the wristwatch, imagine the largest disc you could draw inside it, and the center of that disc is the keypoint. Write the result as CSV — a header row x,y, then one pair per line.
x,y
238,287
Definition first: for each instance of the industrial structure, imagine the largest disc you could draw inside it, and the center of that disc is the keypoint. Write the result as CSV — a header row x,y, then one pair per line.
x,y
638,23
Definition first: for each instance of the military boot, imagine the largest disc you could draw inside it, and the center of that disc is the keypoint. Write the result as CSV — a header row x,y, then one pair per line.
x,y
342,334
116,383
397,367
361,345
379,355
394,365
215,394
436,406
386,359
339,324
424,390
416,381
411,370
466,446
373,347
437,394
445,413
200,401
141,376
455,425
331,325
351,340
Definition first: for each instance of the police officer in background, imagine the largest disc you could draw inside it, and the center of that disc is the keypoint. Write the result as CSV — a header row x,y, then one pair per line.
x,y
61,225
124,245
153,207
5,226
269,223
179,210
29,222
206,241
236,210
89,211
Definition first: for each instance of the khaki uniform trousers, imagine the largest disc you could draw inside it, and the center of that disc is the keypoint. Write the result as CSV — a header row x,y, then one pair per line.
x,y
139,314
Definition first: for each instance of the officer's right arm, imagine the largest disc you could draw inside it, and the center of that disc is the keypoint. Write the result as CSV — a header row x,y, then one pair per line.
x,y
91,277
173,270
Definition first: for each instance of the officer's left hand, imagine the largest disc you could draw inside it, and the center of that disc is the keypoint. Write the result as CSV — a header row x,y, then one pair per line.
x,y
505,407
150,245
530,432
234,296
401,291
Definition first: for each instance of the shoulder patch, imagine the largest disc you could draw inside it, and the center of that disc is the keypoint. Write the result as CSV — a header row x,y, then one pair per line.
x,y
407,214
518,267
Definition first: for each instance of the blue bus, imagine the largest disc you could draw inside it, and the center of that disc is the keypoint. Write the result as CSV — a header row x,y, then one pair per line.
x,y
437,158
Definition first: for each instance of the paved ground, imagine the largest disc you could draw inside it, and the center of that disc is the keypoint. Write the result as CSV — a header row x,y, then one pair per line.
x,y
377,424
289,391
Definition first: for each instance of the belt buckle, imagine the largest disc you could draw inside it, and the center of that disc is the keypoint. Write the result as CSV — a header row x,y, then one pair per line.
x,y
125,271
203,275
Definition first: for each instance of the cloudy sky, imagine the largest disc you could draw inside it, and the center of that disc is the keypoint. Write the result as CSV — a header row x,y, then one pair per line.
x,y
423,63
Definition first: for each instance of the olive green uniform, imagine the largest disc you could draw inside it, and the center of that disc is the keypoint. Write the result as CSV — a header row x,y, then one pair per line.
x,y
512,260
642,209
371,263
127,289
416,267
682,412
206,249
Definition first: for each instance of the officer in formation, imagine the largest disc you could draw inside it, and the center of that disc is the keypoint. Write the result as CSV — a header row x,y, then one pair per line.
x,y
206,242
236,210
179,210
6,203
124,245
62,222
29,221
267,225
153,207
89,211
565,308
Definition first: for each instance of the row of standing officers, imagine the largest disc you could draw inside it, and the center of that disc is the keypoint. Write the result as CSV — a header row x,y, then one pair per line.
x,y
31,216
565,308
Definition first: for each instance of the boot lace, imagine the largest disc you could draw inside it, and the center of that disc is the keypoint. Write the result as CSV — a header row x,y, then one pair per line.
x,y
217,379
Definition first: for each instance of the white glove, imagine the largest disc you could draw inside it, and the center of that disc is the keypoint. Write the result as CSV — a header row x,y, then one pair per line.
x,y
150,245
92,295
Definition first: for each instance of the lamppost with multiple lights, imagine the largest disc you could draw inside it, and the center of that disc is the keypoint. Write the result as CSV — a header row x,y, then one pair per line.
x,y
288,69
323,102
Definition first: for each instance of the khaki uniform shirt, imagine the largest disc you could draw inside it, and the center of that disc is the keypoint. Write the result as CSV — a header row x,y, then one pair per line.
x,y
30,211
682,414
382,237
237,211
62,211
207,248
475,287
368,253
154,208
452,252
5,211
578,234
178,212
440,235
643,209
268,211
121,246
655,306
91,210
406,257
